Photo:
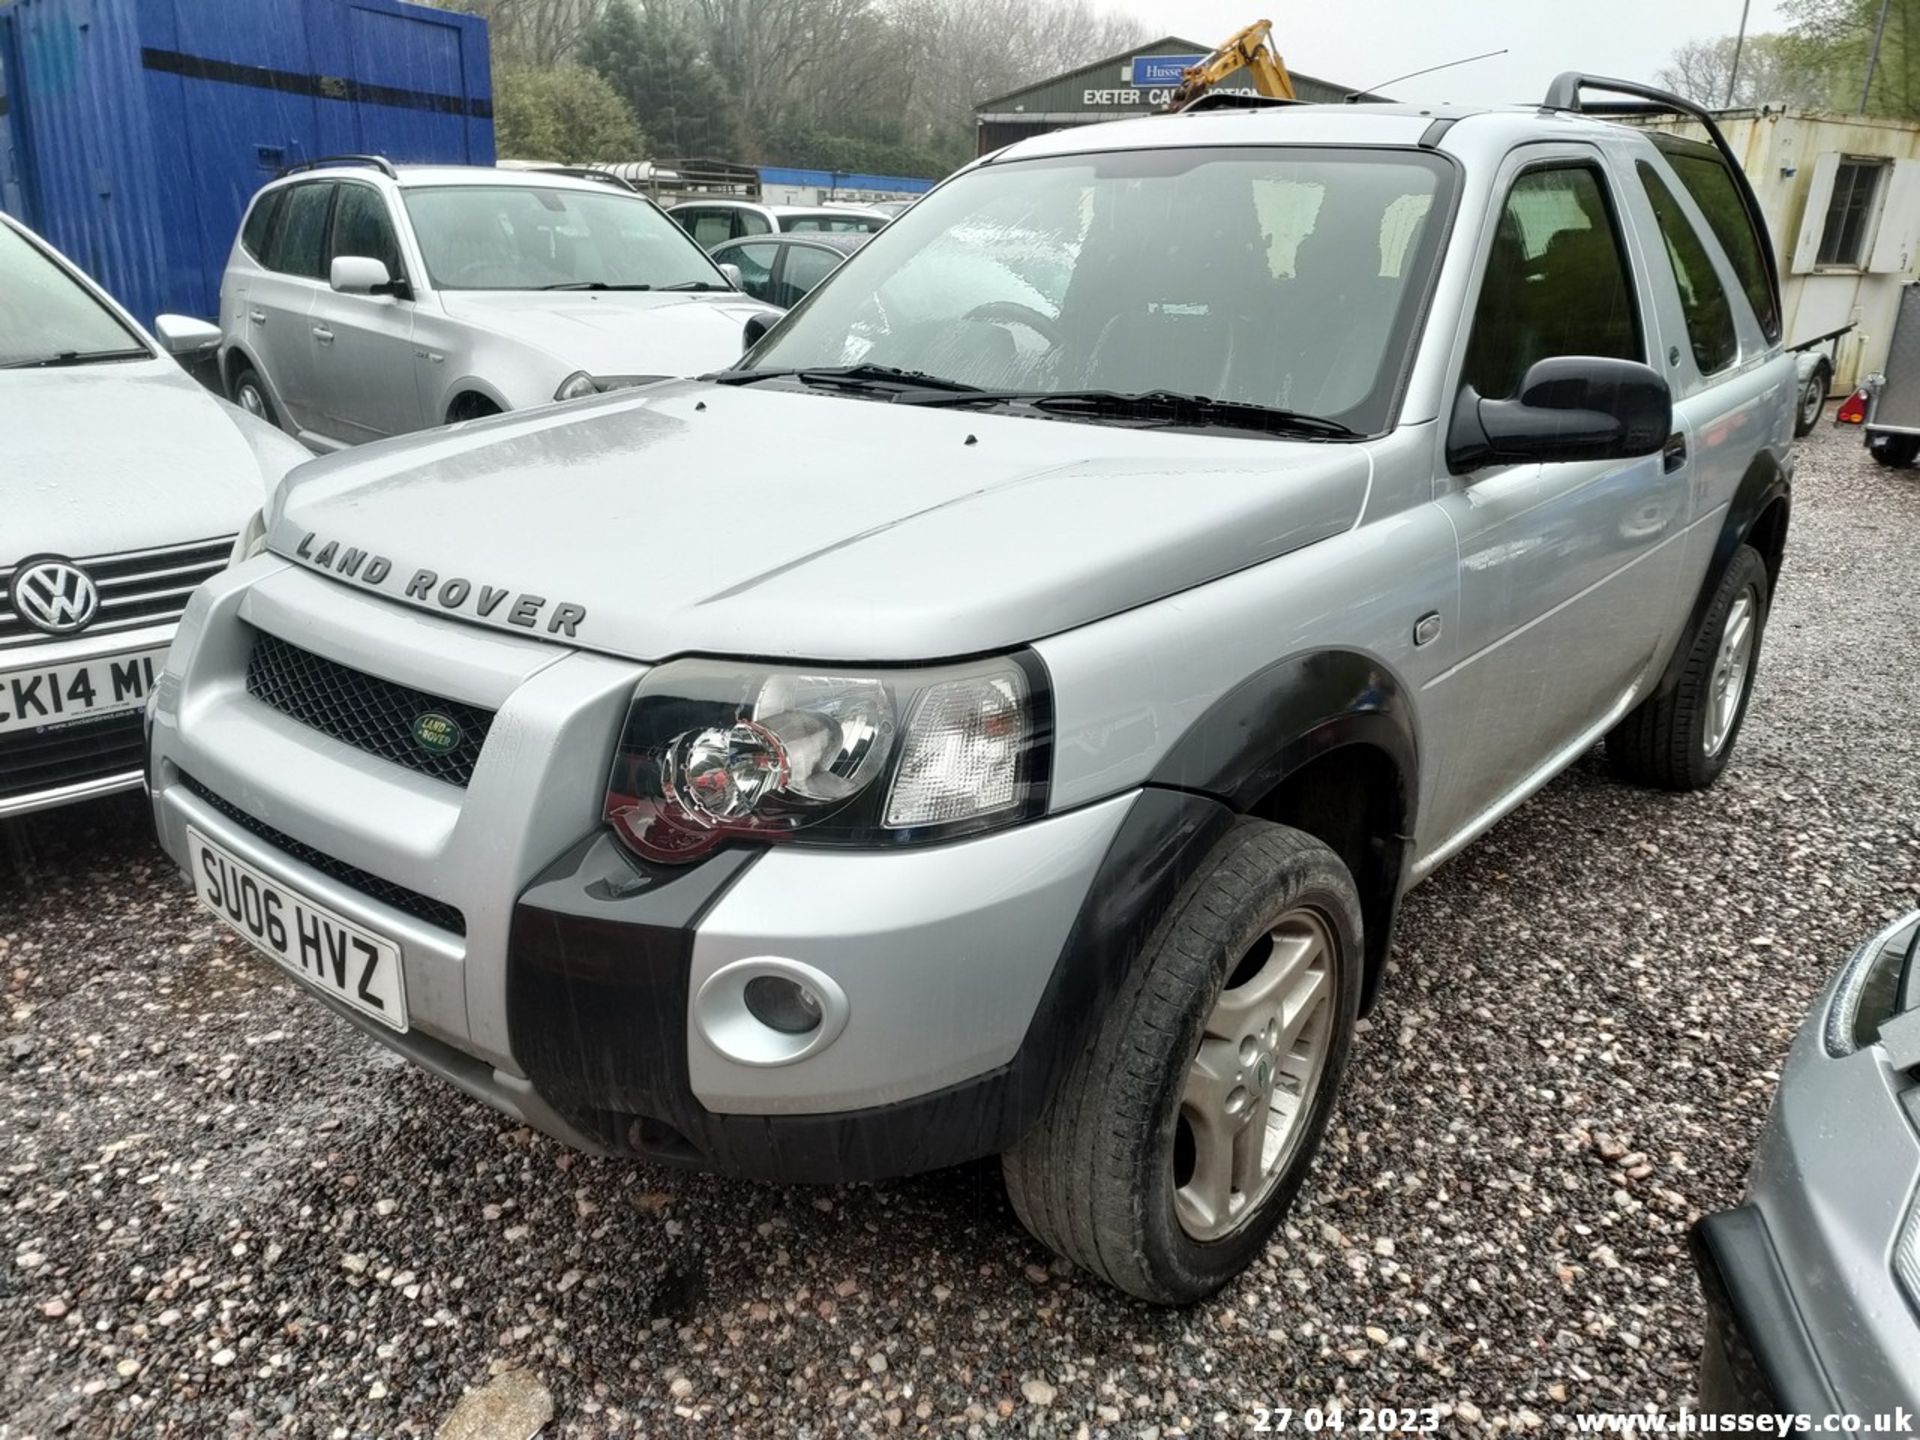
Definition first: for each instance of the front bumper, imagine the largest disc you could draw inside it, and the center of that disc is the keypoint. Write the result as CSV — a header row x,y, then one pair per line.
x,y
1759,1358
567,1000
65,763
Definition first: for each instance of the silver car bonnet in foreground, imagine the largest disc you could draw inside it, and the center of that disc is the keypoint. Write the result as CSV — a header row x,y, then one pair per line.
x,y
875,532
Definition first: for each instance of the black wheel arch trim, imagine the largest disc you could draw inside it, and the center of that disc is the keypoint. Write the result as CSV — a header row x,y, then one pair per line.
x,y
1276,722
1765,485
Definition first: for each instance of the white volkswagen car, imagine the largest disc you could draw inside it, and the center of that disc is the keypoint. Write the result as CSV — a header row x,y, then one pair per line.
x,y
123,482
364,299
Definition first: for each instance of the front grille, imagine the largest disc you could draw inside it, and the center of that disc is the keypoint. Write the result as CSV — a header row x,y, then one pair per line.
x,y
364,711
137,587
36,760
411,902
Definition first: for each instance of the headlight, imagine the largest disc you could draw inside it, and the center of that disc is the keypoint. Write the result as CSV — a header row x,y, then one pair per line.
x,y
715,751
580,384
251,541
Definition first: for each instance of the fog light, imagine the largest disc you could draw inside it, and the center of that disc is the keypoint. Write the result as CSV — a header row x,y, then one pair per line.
x,y
782,1004
769,1010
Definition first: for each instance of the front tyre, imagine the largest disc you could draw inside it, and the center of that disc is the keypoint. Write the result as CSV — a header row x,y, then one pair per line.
x,y
1177,1141
1683,739
250,394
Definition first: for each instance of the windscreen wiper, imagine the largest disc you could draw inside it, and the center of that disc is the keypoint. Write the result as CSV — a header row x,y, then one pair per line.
x,y
591,285
77,357
851,377
696,285
1151,407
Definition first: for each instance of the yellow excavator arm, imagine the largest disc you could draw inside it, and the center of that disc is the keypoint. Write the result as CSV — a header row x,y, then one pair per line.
x,y
1252,49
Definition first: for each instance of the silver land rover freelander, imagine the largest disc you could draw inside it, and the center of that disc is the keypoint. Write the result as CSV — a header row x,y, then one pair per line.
x,y
1004,715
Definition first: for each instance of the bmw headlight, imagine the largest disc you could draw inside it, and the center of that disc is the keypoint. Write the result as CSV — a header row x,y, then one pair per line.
x,y
251,541
714,751
579,385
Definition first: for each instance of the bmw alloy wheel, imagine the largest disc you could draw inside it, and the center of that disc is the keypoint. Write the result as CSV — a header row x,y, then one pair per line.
x,y
1250,1087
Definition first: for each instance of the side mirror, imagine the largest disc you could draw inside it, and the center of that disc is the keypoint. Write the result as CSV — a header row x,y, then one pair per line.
x,y
183,335
756,327
736,277
360,275
1570,407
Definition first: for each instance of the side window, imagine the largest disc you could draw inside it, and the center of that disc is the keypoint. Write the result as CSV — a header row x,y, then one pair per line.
x,y
756,267
298,238
709,227
1843,239
362,226
1703,299
1705,177
751,222
253,235
807,266
1557,281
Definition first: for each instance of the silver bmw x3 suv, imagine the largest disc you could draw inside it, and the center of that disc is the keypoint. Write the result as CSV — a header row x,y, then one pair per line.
x,y
122,485
1003,715
364,299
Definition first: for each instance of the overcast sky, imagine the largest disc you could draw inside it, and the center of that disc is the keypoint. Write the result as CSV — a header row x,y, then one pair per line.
x,y
1363,43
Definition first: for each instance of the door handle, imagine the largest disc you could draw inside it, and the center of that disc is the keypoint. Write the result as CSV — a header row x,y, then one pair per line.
x,y
1675,453
323,334
258,317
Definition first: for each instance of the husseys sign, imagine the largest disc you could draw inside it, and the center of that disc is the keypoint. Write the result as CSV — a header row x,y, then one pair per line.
x,y
481,600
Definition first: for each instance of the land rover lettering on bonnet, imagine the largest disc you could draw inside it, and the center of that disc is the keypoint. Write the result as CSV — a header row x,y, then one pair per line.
x,y
483,601
1187,533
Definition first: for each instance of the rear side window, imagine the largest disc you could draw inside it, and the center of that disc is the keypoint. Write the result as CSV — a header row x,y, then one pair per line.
x,y
708,227
1556,282
1714,190
362,226
1703,299
750,222
253,235
297,241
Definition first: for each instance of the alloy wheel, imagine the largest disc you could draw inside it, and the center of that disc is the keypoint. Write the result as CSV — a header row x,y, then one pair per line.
x,y
1732,664
1252,1084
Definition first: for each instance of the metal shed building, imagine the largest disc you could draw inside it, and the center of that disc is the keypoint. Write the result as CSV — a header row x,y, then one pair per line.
x,y
133,132
1119,87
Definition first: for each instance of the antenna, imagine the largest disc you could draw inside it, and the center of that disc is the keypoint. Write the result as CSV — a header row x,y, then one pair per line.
x,y
1415,74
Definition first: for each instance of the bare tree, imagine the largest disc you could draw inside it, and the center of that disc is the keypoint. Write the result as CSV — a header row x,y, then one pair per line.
x,y
1773,71
534,32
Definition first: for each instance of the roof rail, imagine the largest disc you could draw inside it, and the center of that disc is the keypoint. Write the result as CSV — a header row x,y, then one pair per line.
x,y
377,162
584,172
1565,94
1234,100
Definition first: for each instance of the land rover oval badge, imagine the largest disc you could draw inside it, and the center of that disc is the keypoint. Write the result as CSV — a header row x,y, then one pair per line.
x,y
435,733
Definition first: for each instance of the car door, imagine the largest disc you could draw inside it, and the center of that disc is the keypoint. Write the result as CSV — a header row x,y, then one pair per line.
x,y
363,359
1565,568
280,300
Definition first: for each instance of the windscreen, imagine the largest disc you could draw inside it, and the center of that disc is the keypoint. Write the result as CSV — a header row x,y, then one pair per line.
x,y
46,317
499,237
1282,277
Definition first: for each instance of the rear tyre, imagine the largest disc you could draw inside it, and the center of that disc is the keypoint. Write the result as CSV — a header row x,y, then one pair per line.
x,y
1683,739
1177,1141
1813,400
1895,451
250,394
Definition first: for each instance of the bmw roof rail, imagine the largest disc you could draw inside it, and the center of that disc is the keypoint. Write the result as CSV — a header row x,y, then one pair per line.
x,y
584,172
378,162
1565,93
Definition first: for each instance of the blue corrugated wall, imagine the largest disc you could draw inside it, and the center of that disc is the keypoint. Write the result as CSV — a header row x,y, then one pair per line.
x,y
133,132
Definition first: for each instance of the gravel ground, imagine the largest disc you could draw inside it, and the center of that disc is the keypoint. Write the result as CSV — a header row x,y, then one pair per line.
x,y
223,1212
